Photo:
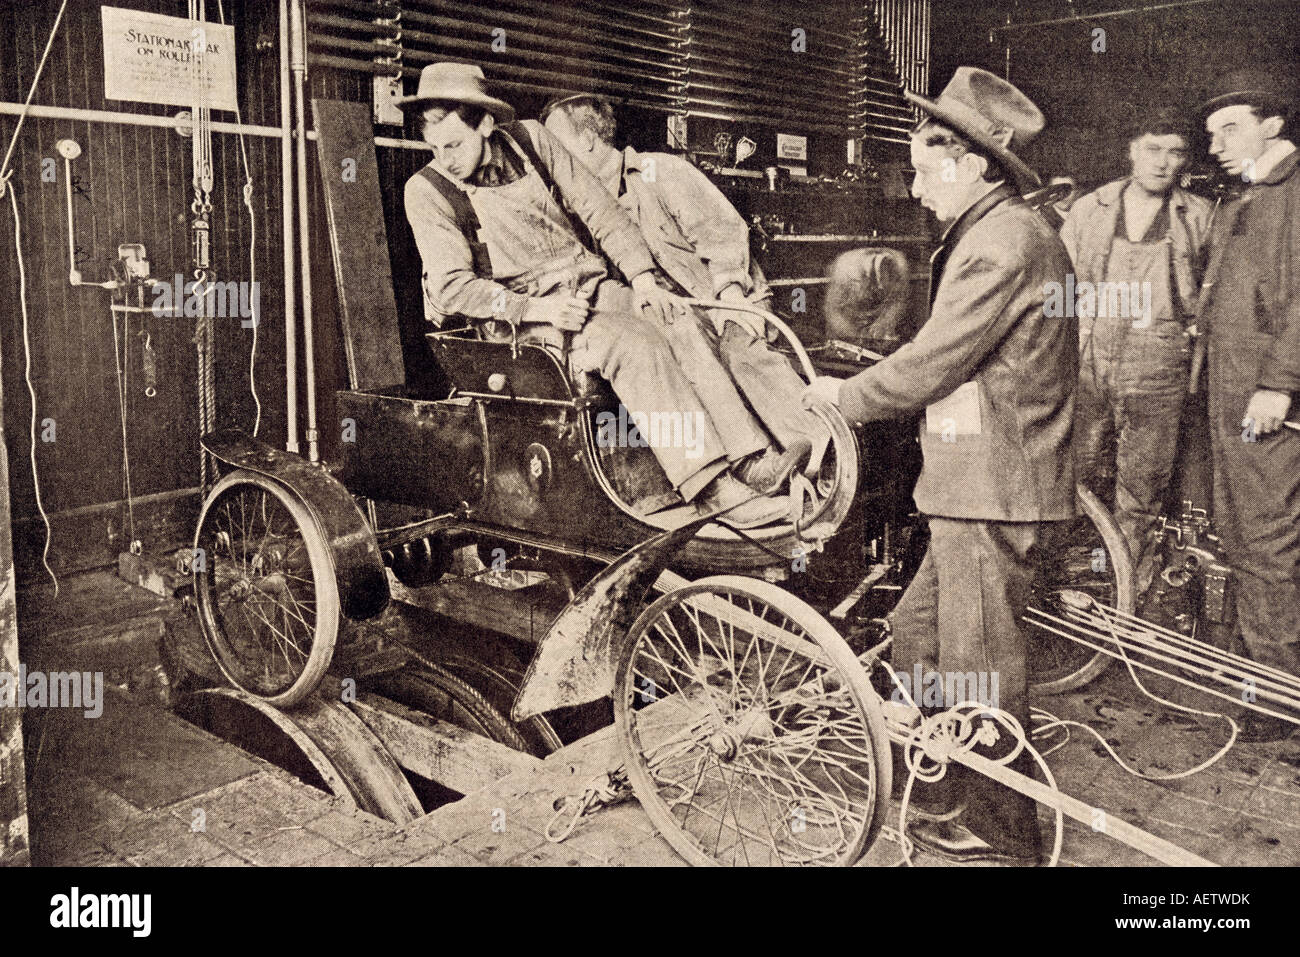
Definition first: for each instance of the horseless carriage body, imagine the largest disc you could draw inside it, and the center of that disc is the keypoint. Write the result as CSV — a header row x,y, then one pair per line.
x,y
751,730
727,684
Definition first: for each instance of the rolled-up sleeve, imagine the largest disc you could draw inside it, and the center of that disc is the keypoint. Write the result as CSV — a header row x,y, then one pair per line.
x,y
615,233
450,285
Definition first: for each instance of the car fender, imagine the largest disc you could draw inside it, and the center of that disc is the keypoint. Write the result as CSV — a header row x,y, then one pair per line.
x,y
354,550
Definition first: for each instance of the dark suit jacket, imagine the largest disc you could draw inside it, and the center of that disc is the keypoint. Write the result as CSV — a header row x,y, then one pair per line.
x,y
994,374
1251,298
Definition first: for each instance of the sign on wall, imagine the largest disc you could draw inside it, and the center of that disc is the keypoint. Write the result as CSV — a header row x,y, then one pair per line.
x,y
149,58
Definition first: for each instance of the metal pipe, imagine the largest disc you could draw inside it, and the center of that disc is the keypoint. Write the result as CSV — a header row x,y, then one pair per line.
x,y
299,69
1007,27
172,123
131,119
286,240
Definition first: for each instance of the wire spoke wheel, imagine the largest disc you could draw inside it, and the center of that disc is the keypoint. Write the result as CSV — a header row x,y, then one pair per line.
x,y
267,600
752,734
1087,555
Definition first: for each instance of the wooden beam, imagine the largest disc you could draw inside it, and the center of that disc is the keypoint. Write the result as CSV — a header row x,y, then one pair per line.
x,y
93,536
458,759
525,614
14,845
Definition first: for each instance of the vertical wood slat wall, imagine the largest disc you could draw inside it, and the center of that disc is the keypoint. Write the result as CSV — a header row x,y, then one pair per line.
x,y
134,186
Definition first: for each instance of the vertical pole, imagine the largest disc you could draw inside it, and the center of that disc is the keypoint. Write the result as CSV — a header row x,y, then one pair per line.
x,y
304,234
287,240
14,843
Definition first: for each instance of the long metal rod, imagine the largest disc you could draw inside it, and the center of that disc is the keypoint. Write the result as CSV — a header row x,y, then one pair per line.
x,y
1130,11
286,240
1134,639
299,69
1077,635
173,123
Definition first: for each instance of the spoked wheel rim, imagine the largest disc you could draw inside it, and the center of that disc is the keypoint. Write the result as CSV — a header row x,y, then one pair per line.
x,y
1087,556
268,603
752,734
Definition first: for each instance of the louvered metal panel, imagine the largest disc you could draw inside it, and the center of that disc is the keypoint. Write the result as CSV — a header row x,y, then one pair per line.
x,y
718,59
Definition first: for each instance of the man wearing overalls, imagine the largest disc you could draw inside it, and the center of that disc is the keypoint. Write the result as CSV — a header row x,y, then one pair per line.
x,y
527,268
1143,237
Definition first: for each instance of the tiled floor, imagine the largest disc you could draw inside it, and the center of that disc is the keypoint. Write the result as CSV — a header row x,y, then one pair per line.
x,y
139,786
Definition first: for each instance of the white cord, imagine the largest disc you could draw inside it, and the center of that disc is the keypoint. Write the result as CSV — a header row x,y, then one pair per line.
x,y
27,372
1052,721
6,176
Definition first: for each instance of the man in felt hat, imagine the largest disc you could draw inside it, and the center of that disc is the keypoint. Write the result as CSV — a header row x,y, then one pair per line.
x,y
511,229
1250,311
994,376
1144,238
701,245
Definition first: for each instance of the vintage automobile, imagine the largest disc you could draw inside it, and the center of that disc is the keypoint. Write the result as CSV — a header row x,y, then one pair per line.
x,y
738,653
512,456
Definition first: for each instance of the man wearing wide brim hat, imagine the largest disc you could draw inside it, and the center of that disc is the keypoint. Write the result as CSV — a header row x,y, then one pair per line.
x,y
1249,314
993,377
456,83
511,230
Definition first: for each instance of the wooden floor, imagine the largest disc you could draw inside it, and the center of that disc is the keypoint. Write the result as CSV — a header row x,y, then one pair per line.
x,y
139,786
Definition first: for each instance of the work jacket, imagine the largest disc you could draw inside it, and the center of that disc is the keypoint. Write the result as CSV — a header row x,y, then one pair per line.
x,y
993,373
697,237
452,286
1251,299
1089,230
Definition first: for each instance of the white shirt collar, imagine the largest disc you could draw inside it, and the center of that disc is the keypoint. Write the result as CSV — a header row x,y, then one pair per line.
x,y
1269,159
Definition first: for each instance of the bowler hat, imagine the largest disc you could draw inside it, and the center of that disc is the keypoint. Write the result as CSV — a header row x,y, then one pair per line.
x,y
1270,87
457,83
992,113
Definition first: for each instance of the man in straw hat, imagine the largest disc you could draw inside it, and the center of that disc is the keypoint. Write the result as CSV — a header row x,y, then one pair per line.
x,y
510,229
995,379
1250,313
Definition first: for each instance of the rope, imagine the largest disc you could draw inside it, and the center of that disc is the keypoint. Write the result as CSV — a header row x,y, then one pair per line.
x,y
201,156
1051,721
942,737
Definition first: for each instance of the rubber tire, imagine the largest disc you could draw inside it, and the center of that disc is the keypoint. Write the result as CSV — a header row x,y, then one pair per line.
x,y
1125,590
328,609
820,631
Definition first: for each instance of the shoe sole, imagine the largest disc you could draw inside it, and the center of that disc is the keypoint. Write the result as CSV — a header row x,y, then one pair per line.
x,y
990,857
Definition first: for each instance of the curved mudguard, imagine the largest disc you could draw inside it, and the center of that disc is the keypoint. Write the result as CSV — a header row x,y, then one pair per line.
x,y
575,661
358,564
